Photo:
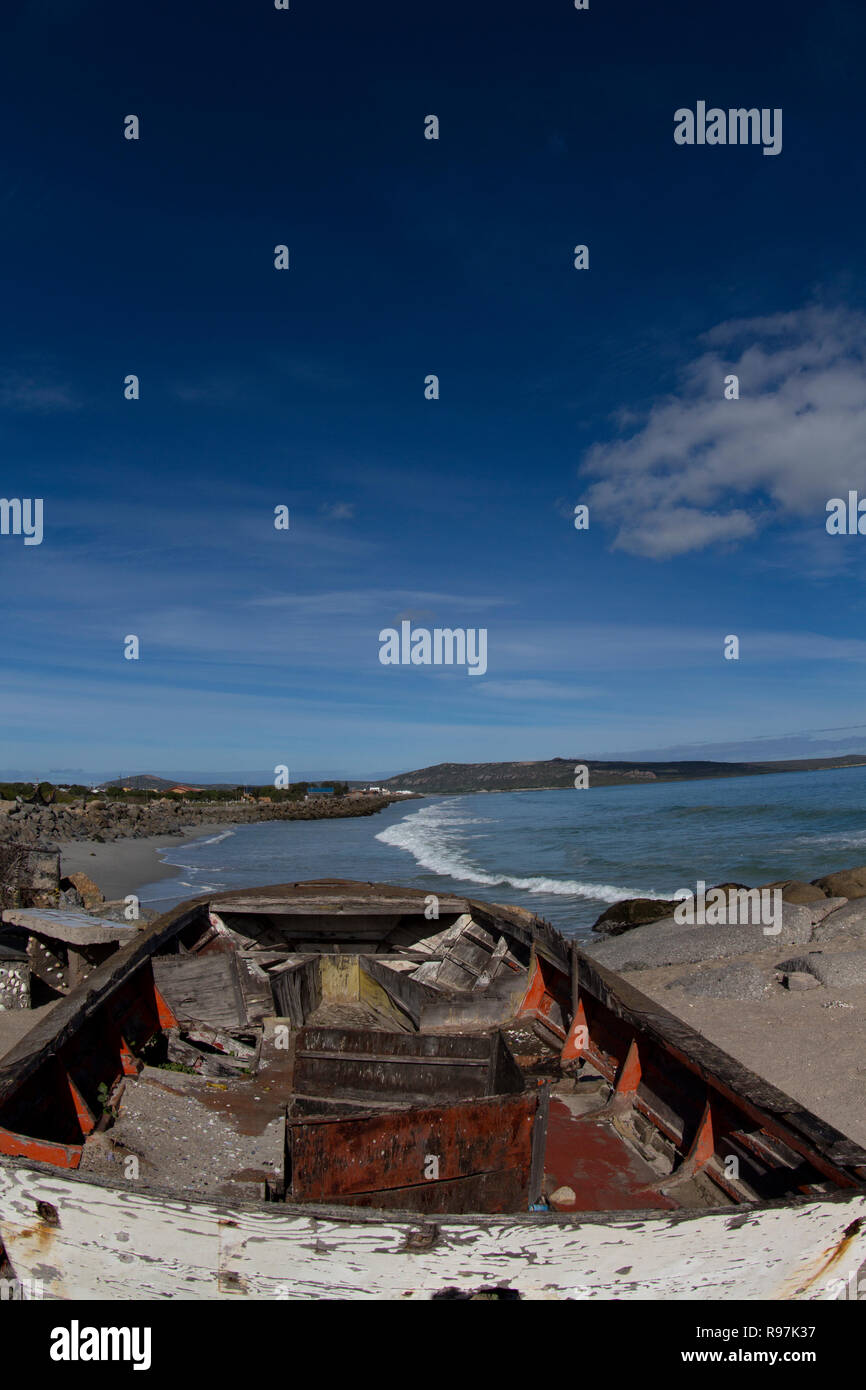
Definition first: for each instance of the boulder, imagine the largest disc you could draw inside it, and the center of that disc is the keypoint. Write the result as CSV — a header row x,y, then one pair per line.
x,y
848,883
87,890
668,943
825,908
630,913
849,920
795,891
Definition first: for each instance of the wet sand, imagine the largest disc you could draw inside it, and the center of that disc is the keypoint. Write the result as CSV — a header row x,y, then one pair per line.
x,y
120,867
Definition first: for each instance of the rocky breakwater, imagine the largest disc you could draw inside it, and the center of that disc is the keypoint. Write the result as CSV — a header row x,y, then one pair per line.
x,y
743,948
26,824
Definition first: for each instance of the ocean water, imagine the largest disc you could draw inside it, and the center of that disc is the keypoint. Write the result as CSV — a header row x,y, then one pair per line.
x,y
566,855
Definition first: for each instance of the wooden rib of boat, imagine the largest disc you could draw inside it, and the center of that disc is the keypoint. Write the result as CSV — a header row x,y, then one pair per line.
x,y
314,1090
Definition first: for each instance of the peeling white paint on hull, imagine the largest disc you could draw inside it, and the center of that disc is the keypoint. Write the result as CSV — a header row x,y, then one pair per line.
x,y
108,1243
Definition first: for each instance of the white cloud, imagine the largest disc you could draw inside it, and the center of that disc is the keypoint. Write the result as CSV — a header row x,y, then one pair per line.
x,y
701,470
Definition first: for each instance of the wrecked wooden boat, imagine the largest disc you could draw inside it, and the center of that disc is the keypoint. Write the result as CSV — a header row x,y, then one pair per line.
x,y
324,1090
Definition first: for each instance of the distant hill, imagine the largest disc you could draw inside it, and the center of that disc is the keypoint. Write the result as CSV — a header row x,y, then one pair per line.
x,y
147,782
559,772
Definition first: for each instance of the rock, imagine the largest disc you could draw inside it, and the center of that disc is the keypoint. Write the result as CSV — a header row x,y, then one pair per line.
x,y
825,907
841,970
848,883
738,981
668,943
795,891
847,920
90,894
800,980
563,1197
630,913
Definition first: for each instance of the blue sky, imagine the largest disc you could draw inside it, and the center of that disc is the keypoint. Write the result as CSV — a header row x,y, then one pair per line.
x,y
306,387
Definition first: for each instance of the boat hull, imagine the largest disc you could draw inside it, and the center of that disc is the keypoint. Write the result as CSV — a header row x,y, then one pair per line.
x,y
78,1240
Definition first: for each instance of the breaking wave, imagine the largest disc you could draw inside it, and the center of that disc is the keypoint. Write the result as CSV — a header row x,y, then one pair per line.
x,y
433,837
855,840
214,839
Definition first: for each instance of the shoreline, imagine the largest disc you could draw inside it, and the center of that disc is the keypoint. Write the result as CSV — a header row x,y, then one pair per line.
x,y
121,867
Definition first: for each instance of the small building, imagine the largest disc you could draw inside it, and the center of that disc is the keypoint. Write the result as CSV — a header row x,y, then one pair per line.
x,y
319,791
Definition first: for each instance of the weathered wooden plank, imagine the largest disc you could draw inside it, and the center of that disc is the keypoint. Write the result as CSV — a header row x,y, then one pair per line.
x,y
476,1009
407,995
376,996
350,1064
338,1040
482,1063
290,901
418,1079
526,929
297,989
256,988
202,989
495,963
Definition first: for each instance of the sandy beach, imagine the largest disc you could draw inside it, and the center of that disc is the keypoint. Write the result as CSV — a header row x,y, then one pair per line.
x,y
120,867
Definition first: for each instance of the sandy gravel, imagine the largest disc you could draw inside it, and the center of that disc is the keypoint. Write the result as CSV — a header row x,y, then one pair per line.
x,y
810,1045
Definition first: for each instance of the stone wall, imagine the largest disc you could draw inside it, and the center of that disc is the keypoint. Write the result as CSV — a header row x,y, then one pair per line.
x,y
14,984
29,877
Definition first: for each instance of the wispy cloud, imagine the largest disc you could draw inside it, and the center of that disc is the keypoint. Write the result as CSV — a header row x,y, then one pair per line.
x,y
537,690
27,393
